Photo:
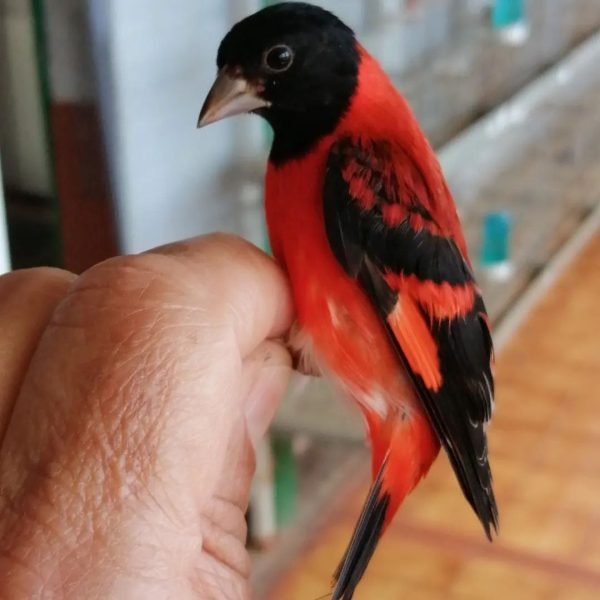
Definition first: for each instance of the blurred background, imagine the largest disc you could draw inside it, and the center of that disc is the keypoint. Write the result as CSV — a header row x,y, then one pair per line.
x,y
100,155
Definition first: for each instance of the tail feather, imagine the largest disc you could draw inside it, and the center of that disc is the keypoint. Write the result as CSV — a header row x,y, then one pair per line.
x,y
364,540
403,450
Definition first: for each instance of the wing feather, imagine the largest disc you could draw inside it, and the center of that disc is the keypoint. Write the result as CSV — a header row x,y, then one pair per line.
x,y
380,218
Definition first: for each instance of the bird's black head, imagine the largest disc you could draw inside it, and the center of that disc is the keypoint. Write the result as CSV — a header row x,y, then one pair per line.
x,y
293,63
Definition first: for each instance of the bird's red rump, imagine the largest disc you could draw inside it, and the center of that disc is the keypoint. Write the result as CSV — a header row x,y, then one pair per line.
x,y
408,446
439,300
414,336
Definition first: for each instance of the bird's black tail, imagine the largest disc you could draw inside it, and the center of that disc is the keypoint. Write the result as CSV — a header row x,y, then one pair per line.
x,y
363,542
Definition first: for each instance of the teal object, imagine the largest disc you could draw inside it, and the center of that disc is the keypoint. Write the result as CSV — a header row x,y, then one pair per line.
x,y
495,247
286,479
507,12
266,245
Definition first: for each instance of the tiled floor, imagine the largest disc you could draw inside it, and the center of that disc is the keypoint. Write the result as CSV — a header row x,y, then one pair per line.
x,y
545,449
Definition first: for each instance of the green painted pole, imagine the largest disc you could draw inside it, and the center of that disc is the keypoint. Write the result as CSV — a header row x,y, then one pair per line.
x,y
41,45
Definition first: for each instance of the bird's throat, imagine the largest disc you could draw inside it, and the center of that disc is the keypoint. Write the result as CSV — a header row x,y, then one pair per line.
x,y
296,134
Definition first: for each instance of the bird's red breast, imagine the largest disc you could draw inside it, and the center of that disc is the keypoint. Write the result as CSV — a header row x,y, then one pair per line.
x,y
347,335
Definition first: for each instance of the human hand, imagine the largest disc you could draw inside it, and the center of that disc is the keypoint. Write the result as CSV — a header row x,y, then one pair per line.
x,y
130,400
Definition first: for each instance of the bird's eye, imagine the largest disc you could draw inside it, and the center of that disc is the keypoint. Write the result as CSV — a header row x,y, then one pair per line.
x,y
279,58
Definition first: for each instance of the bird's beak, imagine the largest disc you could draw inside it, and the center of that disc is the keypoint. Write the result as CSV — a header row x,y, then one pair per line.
x,y
229,96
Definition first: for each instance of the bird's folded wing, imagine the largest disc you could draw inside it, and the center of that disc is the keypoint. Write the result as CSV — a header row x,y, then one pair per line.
x,y
402,242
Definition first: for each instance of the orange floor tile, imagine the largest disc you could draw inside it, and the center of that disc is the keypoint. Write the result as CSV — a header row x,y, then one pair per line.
x,y
545,450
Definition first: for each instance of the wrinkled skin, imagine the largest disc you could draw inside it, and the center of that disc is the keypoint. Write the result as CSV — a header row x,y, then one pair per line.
x,y
130,401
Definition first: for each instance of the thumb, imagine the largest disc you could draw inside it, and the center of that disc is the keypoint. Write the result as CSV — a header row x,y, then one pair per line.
x,y
271,364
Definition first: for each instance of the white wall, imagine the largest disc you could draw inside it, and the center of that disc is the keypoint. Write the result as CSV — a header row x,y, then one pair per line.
x,y
156,62
4,255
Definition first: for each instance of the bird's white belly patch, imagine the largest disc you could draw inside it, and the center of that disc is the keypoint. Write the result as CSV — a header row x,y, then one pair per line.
x,y
302,346
309,362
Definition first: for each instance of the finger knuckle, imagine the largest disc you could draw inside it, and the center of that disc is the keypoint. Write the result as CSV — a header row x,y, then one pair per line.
x,y
26,282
